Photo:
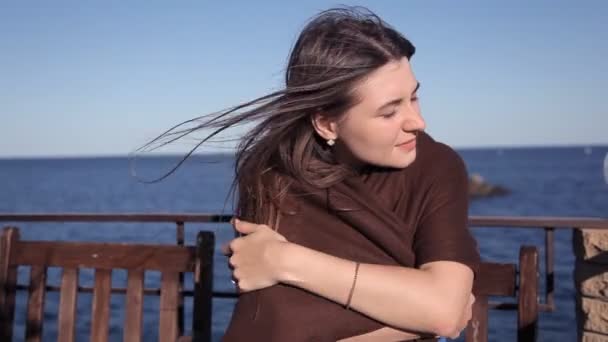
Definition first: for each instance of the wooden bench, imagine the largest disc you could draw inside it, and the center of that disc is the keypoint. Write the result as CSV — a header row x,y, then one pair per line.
x,y
494,279
506,280
171,260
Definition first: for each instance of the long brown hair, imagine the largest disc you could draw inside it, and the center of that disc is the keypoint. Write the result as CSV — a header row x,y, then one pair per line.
x,y
336,50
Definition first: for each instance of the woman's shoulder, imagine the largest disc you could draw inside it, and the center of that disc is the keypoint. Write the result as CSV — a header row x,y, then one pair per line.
x,y
434,157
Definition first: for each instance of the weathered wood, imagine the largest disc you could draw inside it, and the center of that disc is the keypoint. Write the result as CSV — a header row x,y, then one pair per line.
x,y
527,313
123,290
8,282
104,255
147,291
203,287
477,329
171,260
496,279
134,302
35,304
67,305
168,330
100,314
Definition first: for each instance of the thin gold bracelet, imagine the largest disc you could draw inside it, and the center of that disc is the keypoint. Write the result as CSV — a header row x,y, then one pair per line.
x,y
352,289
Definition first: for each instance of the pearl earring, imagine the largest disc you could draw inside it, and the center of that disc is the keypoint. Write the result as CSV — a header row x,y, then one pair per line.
x,y
331,142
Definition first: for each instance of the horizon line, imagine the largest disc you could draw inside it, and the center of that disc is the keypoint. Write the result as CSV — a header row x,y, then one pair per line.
x,y
227,153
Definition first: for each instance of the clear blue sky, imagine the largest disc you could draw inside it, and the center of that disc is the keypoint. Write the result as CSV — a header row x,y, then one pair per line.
x,y
85,78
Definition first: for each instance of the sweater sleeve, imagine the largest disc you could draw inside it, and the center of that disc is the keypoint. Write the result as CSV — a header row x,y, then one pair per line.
x,y
442,232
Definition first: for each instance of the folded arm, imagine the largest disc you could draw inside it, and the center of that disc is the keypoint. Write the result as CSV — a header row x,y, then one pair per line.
x,y
431,299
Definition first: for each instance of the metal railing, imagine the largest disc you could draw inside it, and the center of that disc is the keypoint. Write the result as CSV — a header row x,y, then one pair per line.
x,y
548,224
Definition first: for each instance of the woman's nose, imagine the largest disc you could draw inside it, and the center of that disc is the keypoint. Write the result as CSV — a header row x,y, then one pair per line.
x,y
414,122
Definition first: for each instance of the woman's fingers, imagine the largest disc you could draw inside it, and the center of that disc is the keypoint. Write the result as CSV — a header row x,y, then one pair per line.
x,y
245,227
468,312
232,262
251,257
231,247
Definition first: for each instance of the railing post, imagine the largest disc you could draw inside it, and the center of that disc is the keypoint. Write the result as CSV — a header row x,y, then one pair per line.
x,y
549,274
203,287
527,312
591,283
180,236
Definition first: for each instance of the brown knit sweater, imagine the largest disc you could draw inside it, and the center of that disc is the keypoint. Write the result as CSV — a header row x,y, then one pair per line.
x,y
404,217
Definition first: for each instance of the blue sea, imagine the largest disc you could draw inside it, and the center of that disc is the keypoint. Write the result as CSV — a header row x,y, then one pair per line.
x,y
558,181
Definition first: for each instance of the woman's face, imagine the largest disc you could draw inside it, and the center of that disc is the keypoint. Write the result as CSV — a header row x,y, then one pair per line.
x,y
381,128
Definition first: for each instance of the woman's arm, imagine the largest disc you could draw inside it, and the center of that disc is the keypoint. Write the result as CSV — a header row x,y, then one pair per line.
x,y
431,299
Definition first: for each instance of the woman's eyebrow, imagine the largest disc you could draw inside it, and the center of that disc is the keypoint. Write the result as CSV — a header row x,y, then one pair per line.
x,y
394,102
399,100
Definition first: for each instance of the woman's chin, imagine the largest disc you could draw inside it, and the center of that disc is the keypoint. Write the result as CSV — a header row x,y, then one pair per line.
x,y
397,160
404,159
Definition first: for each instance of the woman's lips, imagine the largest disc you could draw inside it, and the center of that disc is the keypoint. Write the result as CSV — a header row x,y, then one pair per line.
x,y
408,145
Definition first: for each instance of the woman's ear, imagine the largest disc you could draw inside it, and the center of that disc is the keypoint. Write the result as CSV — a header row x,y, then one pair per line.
x,y
325,127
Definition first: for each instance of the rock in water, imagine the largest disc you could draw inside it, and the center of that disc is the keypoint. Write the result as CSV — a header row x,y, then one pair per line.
x,y
478,187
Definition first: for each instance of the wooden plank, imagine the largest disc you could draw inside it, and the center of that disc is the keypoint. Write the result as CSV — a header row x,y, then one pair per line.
x,y
203,287
100,314
105,255
9,310
495,279
134,302
67,305
168,330
477,329
35,304
8,281
527,313
123,290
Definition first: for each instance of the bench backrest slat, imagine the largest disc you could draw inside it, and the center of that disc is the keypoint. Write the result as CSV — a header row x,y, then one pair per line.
x,y
134,306
35,304
100,314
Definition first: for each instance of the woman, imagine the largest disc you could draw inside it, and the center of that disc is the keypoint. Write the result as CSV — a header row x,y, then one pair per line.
x,y
354,206
352,220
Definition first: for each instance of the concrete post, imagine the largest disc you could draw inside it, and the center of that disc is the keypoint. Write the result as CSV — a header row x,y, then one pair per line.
x,y
591,284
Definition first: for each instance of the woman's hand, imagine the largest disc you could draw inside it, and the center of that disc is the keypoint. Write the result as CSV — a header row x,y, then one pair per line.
x,y
466,317
468,314
254,258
